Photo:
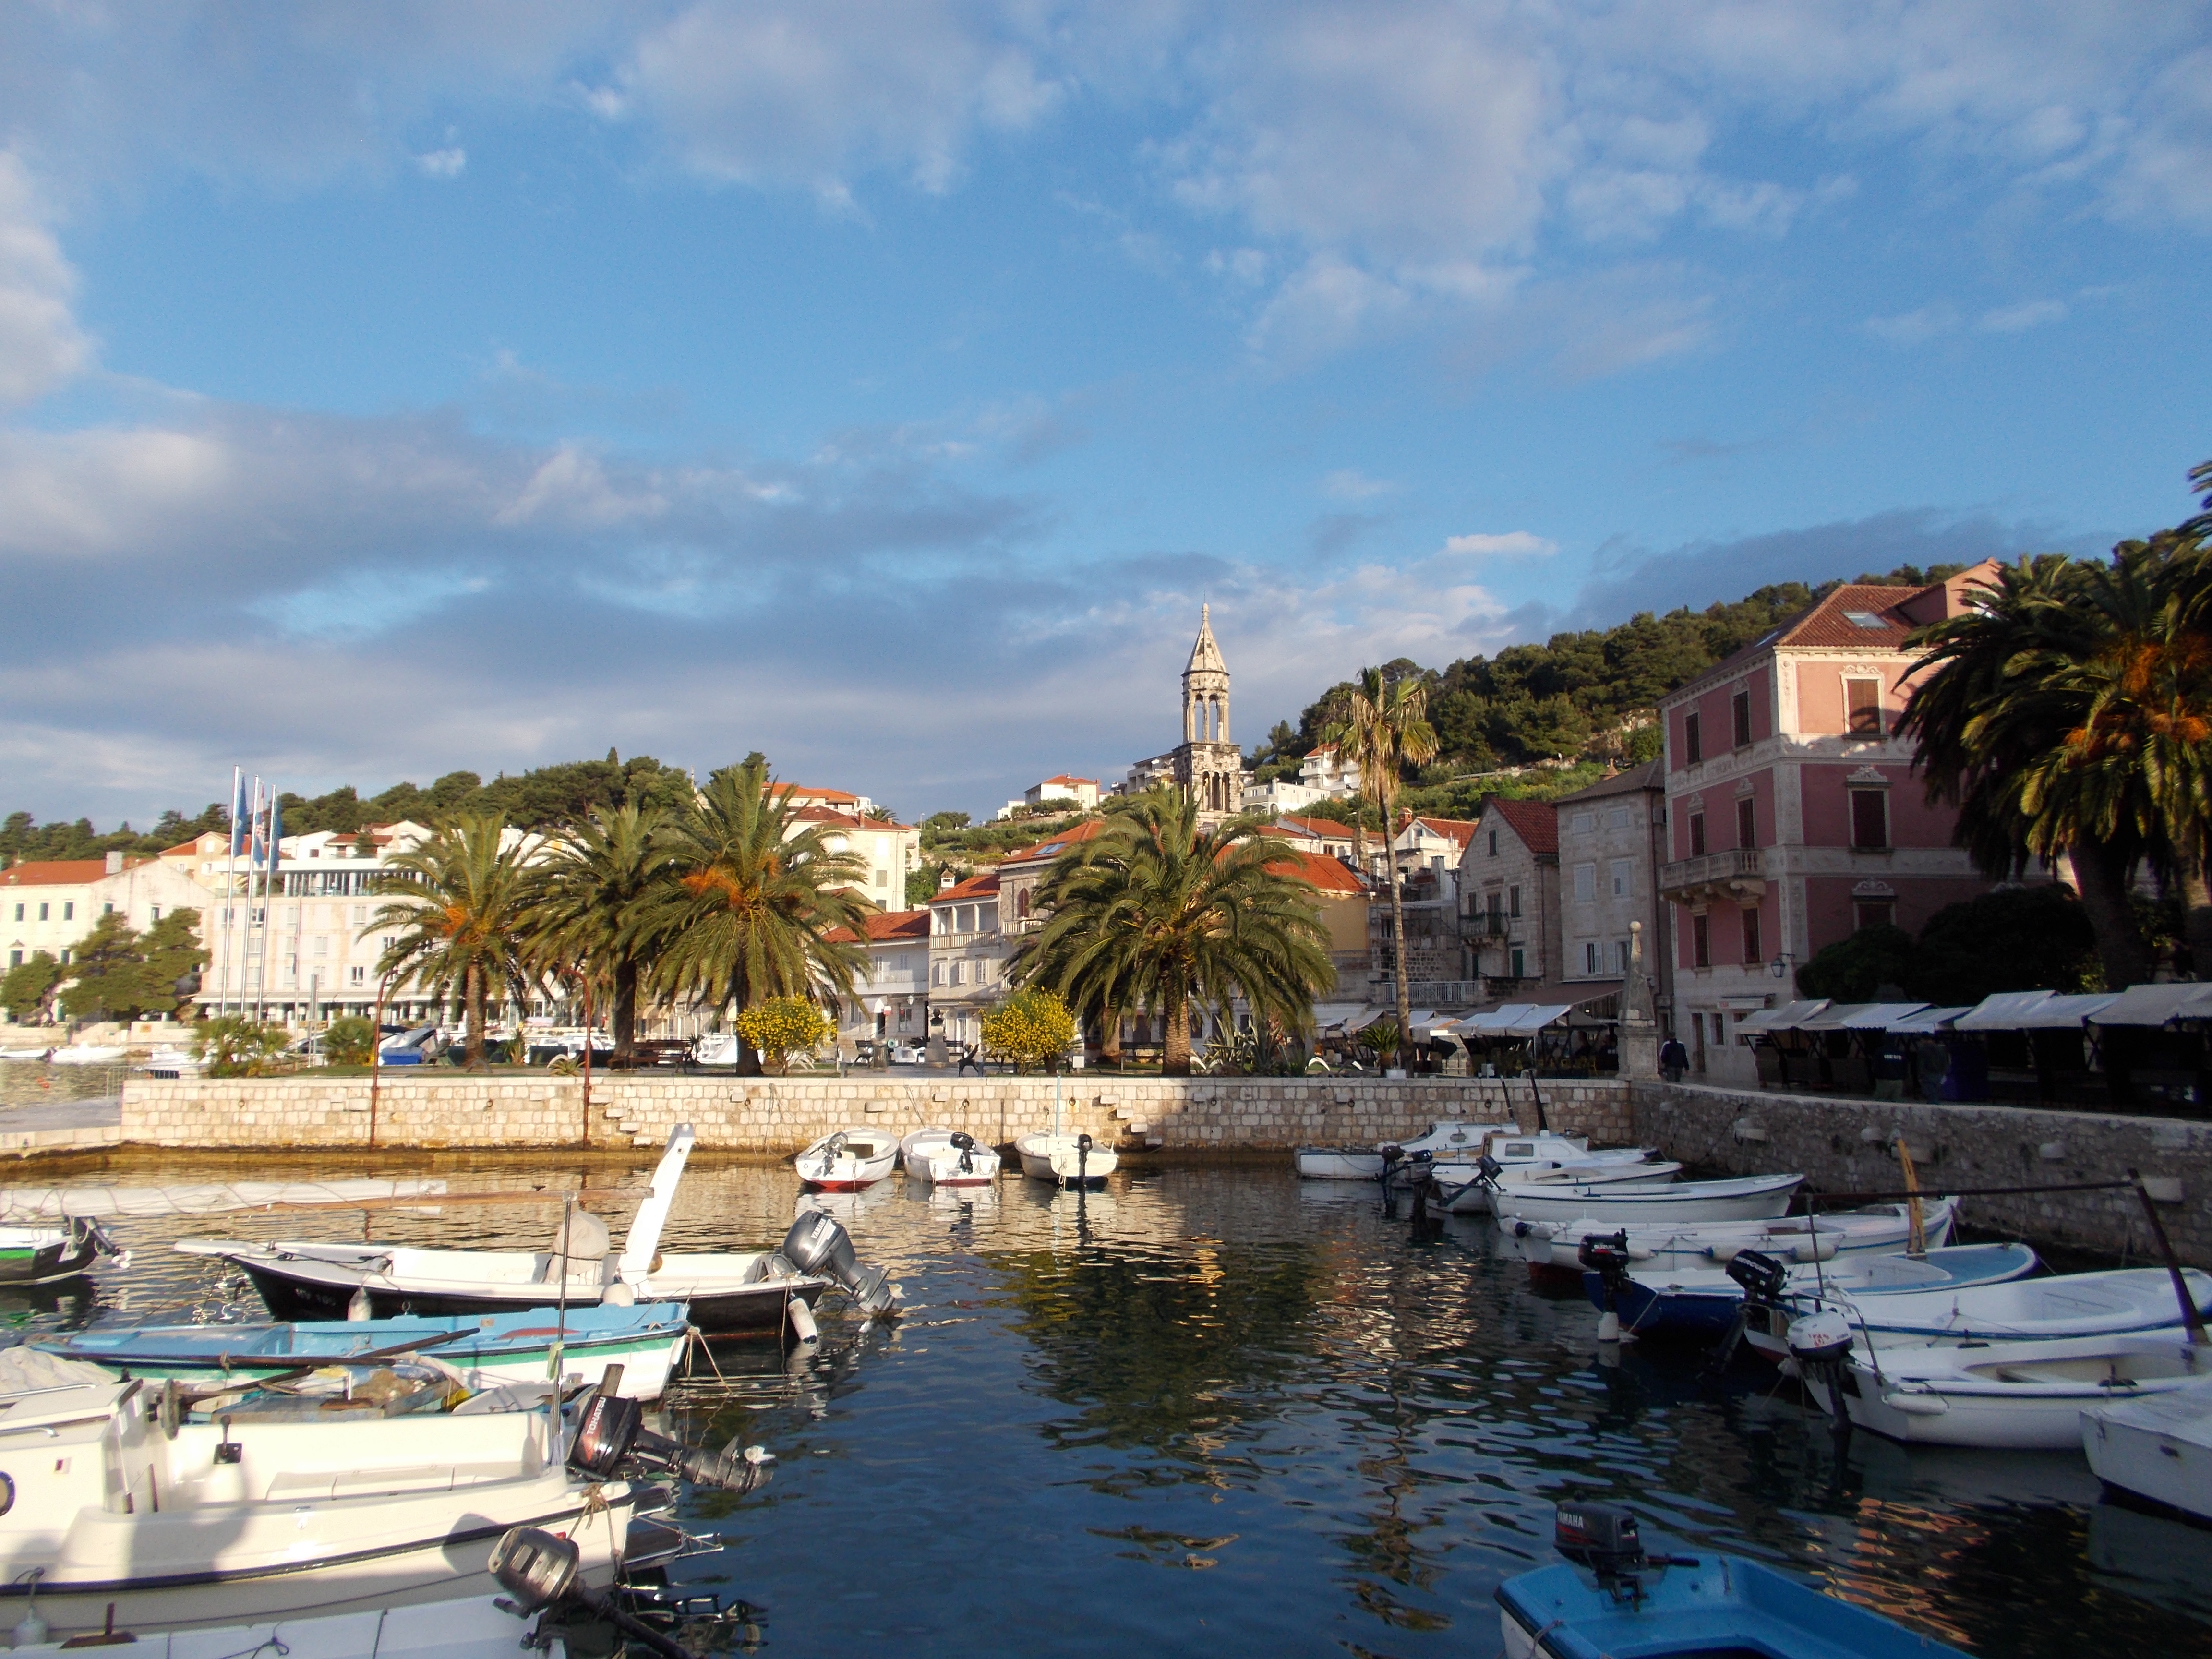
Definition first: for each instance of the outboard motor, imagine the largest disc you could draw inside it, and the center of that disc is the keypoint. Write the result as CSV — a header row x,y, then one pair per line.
x,y
612,1434
1762,1279
1821,1343
964,1144
1606,1255
1602,1537
1392,1154
540,1570
830,1148
817,1244
1491,1168
1082,1161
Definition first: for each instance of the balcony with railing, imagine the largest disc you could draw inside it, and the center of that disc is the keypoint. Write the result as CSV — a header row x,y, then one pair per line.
x,y
1740,872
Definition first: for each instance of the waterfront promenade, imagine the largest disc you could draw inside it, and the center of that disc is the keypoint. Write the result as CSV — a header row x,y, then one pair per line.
x,y
1841,1145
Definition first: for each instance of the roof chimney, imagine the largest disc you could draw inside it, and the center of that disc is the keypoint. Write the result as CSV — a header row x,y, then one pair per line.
x,y
115,863
945,879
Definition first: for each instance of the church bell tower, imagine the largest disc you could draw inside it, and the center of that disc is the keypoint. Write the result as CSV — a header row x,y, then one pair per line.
x,y
1207,763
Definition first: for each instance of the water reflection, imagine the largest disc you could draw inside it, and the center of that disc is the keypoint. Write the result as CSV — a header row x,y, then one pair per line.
x,y
1212,1407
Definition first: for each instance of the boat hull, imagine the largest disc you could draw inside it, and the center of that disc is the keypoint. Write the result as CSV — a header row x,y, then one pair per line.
x,y
1555,1246
1687,1203
1337,1164
38,1263
744,1310
1058,1158
2157,1450
477,1628
861,1159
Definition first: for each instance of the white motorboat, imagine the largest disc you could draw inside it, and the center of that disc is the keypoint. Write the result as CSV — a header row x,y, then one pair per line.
x,y
1541,1165
1744,1198
847,1160
1070,1160
172,1061
946,1157
472,1627
124,1517
716,1048
1671,1248
2017,1395
31,1255
88,1054
729,1292
2159,1448
2111,1304
1449,1138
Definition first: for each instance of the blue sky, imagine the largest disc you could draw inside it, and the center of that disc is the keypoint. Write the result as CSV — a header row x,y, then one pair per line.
x,y
388,390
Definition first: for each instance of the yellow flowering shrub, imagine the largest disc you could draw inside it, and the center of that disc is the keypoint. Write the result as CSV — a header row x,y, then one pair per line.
x,y
783,1026
1029,1028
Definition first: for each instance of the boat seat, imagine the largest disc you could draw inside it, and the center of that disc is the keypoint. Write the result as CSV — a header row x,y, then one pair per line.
x,y
588,1247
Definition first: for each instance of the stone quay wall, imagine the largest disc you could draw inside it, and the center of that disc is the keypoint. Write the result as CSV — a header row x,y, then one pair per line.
x,y
1844,1145
777,1116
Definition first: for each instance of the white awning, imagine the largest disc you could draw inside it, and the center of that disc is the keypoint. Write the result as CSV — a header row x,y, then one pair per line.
x,y
1787,1018
1927,1020
1836,1017
1513,1019
2032,1011
2157,1004
1332,1016
1862,1017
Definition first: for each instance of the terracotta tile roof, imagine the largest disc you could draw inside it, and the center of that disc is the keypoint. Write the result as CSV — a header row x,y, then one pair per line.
x,y
1332,878
1064,778
58,872
1652,774
983,886
1459,831
1533,820
832,816
1089,829
804,793
886,925
1322,828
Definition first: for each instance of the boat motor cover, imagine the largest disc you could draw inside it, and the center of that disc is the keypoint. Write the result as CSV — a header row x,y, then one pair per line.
x,y
613,1431
1760,1276
1600,1535
536,1567
817,1244
1822,1335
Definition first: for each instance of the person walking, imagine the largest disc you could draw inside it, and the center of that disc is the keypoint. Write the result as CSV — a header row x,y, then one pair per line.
x,y
1674,1059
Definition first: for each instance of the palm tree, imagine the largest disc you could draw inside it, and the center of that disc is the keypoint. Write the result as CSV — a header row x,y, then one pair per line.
x,y
1155,912
743,905
1381,724
2006,692
455,905
583,897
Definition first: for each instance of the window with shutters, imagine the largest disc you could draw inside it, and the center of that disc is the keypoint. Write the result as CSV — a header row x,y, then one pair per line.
x,y
1697,835
1585,883
1693,747
1862,701
1739,718
1701,943
1753,956
1513,899
1870,819
1874,913
1746,822
1623,878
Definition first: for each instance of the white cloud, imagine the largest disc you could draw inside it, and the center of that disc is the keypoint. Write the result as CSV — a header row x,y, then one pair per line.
x,y
1912,327
1511,542
446,163
41,344
1350,485
2019,318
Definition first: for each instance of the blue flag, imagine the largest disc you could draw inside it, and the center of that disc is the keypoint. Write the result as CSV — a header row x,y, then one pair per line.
x,y
241,829
276,826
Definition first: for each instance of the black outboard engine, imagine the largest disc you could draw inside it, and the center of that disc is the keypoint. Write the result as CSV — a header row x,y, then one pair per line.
x,y
1393,1154
1602,1537
1606,1255
1082,1161
1492,1168
540,1570
964,1144
611,1434
817,1244
1759,1274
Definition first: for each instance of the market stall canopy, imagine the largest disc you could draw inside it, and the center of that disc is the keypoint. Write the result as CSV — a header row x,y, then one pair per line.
x,y
1335,1015
1425,1020
1927,1021
2157,1004
1513,1019
1862,1017
2032,1010
1787,1018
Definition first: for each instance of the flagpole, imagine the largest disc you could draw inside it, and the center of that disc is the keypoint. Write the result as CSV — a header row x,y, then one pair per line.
x,y
230,890
259,953
253,804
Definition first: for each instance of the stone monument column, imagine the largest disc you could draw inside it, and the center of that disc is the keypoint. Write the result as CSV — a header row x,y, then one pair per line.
x,y
1639,1026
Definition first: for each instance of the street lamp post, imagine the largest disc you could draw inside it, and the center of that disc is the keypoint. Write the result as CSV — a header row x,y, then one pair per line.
x,y
376,1050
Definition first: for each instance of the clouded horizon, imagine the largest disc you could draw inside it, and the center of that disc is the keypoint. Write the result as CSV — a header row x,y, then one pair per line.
x,y
389,391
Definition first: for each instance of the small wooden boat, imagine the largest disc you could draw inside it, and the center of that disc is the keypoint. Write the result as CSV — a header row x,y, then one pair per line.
x,y
2158,1448
1069,1160
946,1157
845,1160
1670,1248
1744,1198
1699,1304
1616,1600
730,1293
471,1627
486,1350
127,1519
1451,1136
2110,1304
2015,1395
33,1256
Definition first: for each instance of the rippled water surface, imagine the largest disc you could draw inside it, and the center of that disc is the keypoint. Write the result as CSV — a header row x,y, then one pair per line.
x,y
1213,1408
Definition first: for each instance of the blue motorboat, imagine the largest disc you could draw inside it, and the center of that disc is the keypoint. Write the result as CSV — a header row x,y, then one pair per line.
x,y
647,1340
1702,1307
1611,1600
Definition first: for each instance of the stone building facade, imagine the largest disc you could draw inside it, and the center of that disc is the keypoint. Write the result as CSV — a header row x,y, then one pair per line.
x,y
1613,840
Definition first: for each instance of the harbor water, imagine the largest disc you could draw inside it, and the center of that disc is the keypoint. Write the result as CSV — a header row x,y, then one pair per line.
x,y
1216,1409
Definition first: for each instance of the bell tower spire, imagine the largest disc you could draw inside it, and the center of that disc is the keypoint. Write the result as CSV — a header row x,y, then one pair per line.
x,y
1208,763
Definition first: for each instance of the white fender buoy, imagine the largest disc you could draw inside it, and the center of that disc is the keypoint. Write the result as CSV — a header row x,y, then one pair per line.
x,y
802,1321
359,1307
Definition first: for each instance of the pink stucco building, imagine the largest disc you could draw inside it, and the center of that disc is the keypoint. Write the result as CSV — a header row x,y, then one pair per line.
x,y
1793,816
